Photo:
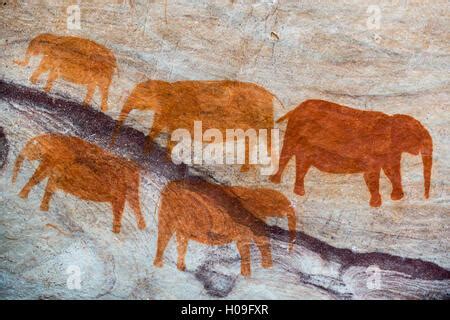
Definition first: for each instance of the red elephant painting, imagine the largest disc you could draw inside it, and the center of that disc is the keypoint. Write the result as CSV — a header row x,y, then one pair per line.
x,y
339,139
84,170
211,214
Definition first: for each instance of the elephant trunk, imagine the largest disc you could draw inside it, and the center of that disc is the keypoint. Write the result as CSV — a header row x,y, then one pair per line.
x,y
17,166
292,224
26,60
427,159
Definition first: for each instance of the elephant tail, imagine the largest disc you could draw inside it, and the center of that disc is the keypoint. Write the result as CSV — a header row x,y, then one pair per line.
x,y
116,70
427,159
286,116
279,101
292,226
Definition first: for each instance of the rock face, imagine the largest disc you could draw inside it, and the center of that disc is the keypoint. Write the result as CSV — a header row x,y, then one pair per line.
x,y
391,58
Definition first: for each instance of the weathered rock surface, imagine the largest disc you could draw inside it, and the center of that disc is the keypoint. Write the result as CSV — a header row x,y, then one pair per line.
x,y
313,49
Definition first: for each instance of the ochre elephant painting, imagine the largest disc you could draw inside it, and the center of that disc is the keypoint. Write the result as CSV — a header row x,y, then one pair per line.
x,y
339,139
74,59
209,213
218,104
264,203
84,170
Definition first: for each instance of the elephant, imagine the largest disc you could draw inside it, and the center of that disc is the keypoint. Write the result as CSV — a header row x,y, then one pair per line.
x,y
84,170
221,105
212,214
339,139
75,59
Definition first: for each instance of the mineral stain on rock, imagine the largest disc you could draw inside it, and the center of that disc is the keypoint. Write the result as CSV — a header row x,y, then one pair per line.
x,y
4,149
215,283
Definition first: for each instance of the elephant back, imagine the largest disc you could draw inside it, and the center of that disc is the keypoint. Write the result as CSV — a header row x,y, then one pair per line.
x,y
69,149
204,212
261,202
341,130
222,105
86,53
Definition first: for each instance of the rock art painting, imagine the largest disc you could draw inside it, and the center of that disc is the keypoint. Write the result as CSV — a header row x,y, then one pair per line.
x,y
218,105
84,170
356,112
338,139
74,59
204,212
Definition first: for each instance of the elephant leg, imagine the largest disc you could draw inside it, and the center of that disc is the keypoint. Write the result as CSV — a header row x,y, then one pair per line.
x,y
133,200
49,190
266,253
301,168
50,80
104,88
372,179
392,171
42,68
286,155
39,175
182,243
117,206
89,95
164,235
244,252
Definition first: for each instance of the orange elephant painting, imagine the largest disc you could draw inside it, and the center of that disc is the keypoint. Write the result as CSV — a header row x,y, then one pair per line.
x,y
82,169
207,213
74,59
218,105
339,139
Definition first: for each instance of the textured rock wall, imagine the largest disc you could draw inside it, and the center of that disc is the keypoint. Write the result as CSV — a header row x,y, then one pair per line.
x,y
298,50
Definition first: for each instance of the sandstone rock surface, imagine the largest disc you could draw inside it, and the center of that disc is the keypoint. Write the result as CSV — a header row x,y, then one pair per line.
x,y
327,50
